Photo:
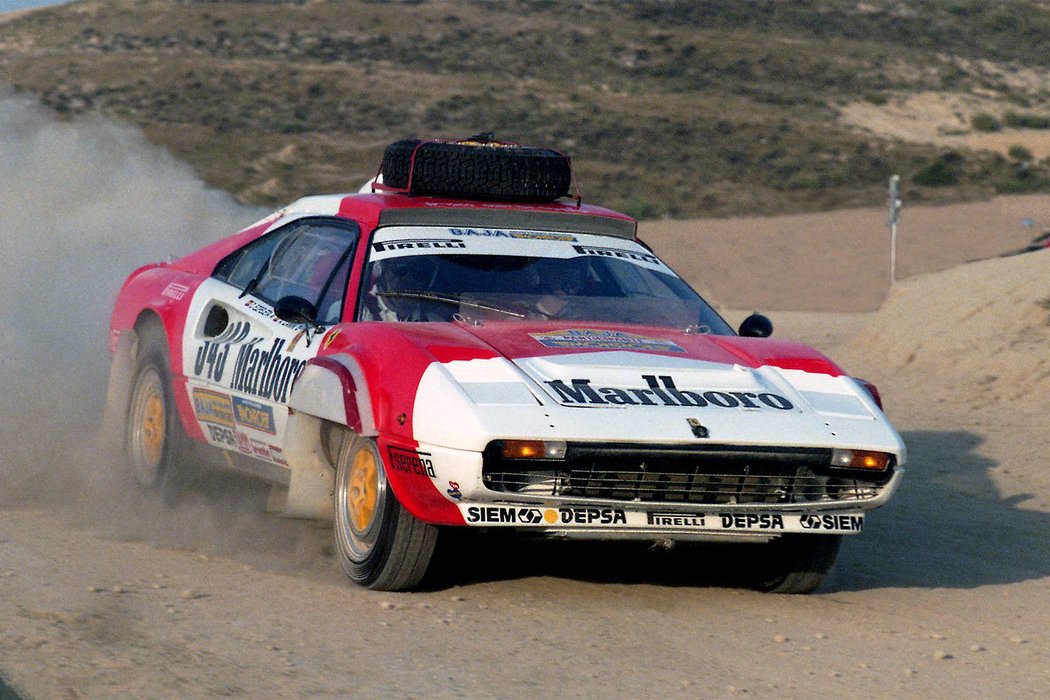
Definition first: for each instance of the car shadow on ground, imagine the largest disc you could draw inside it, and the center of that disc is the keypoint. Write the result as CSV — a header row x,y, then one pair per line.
x,y
946,527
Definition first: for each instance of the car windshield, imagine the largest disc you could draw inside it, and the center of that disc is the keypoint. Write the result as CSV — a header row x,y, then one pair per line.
x,y
443,277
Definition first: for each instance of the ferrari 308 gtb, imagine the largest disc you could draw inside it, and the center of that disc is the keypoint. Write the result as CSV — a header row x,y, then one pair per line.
x,y
463,343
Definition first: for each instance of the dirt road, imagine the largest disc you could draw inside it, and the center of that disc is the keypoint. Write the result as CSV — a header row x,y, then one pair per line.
x,y
944,595
104,594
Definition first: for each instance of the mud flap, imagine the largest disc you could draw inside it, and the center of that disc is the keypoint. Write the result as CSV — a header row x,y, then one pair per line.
x,y
310,487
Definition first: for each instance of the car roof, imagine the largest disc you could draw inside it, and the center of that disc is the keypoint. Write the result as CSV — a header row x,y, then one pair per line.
x,y
374,210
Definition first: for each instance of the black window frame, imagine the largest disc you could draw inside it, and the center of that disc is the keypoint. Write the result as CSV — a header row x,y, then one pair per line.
x,y
283,234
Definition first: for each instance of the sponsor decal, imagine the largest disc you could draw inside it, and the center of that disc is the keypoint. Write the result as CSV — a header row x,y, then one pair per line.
x,y
277,455
514,515
596,339
758,521
504,515
253,414
417,244
813,521
265,373
213,407
211,357
661,391
635,255
409,462
751,521
526,235
243,444
453,490
175,291
699,429
260,449
676,520
769,524
587,516
266,312
221,435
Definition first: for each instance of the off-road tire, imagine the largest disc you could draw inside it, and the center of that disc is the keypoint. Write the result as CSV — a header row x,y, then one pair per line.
x,y
478,170
380,544
794,563
153,436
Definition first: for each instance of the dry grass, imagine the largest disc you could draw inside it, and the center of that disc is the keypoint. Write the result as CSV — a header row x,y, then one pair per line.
x,y
669,108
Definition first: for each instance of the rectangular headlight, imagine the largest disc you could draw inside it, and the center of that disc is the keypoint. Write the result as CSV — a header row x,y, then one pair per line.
x,y
861,459
534,449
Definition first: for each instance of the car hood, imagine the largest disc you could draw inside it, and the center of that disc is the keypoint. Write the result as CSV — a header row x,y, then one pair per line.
x,y
603,382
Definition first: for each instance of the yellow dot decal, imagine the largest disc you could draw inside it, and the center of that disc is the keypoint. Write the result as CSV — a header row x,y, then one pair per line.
x,y
550,515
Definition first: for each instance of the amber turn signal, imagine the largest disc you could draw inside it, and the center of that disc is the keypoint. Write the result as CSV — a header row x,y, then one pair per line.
x,y
533,449
860,459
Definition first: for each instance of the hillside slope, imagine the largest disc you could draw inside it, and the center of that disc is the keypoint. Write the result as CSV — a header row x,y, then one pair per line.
x,y
980,329
670,108
966,349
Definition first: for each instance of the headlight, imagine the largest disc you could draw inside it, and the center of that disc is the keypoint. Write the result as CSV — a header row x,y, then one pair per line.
x,y
534,449
861,459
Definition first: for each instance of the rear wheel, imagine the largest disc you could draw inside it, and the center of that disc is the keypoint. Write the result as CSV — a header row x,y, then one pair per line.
x,y
152,432
381,545
795,563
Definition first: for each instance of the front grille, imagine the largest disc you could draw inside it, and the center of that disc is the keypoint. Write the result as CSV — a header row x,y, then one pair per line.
x,y
708,476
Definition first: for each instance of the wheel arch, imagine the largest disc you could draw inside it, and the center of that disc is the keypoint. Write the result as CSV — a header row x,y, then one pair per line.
x,y
334,388
330,398
149,322
122,367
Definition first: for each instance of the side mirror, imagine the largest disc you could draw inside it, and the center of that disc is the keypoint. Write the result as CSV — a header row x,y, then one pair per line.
x,y
756,326
293,309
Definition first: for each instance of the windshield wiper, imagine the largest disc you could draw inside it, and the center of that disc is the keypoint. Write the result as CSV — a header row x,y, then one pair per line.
x,y
427,296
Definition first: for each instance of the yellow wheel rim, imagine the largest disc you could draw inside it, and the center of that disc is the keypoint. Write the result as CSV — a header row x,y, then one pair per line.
x,y
364,490
153,428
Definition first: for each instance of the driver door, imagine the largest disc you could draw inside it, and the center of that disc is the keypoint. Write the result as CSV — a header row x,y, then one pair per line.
x,y
239,359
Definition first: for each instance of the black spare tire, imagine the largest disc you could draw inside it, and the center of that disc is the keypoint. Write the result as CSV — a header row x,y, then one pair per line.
x,y
477,169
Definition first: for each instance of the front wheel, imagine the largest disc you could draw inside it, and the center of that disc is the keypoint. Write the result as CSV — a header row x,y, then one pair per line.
x,y
795,563
381,545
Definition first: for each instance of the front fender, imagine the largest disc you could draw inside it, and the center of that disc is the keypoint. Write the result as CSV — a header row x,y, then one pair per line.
x,y
334,388
329,389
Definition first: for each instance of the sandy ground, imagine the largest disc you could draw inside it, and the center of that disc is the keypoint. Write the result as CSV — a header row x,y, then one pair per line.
x,y
943,596
945,119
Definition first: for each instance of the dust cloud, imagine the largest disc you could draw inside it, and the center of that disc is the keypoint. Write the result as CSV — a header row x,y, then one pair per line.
x,y
82,204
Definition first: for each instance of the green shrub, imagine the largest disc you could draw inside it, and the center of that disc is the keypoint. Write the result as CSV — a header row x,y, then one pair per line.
x,y
638,208
983,121
939,173
1026,121
1019,153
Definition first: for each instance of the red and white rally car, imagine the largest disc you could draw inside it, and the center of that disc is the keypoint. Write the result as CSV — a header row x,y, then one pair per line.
x,y
462,345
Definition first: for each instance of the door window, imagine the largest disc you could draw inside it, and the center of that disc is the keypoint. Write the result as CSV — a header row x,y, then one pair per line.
x,y
309,259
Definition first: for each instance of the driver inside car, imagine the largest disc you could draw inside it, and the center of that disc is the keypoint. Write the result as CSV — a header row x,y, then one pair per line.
x,y
396,288
567,282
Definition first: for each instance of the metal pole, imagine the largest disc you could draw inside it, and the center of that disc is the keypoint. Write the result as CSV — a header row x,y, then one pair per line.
x,y
894,201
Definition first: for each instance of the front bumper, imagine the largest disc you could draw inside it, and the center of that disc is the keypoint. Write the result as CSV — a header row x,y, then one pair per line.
x,y
595,522
730,493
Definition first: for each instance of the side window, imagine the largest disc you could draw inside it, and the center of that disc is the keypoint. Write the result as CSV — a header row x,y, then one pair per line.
x,y
309,259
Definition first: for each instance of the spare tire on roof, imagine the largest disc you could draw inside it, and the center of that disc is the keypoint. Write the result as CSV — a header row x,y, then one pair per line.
x,y
477,168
